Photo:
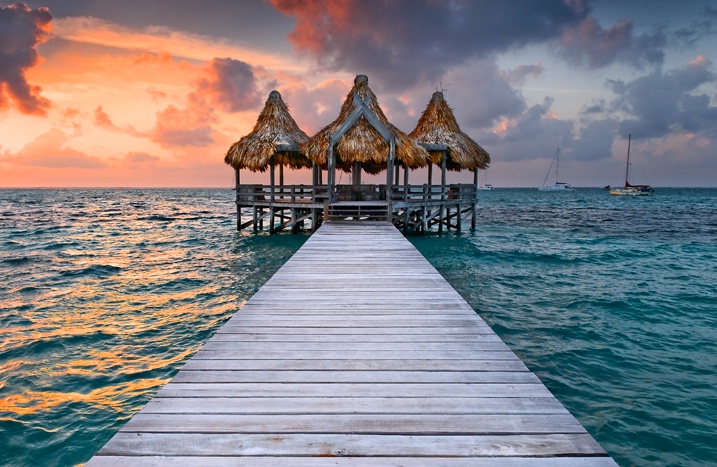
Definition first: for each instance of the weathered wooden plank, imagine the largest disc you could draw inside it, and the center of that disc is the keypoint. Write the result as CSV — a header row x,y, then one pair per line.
x,y
327,376
457,390
400,347
227,444
242,336
357,355
407,330
429,364
364,405
347,423
284,461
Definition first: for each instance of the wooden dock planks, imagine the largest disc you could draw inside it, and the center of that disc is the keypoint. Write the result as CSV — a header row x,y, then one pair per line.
x,y
356,352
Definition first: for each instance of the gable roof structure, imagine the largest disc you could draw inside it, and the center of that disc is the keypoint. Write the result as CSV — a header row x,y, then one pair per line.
x,y
275,138
362,133
437,130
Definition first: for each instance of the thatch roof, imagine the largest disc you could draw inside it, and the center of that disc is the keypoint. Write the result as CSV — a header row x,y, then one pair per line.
x,y
438,127
362,142
275,138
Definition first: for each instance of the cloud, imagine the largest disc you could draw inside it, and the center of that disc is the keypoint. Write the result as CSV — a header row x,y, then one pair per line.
x,y
154,39
699,29
21,30
50,150
534,133
660,103
102,120
137,160
589,44
492,95
231,85
191,126
406,41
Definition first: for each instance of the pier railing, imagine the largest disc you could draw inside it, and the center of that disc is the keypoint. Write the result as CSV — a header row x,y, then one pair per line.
x,y
248,195
434,194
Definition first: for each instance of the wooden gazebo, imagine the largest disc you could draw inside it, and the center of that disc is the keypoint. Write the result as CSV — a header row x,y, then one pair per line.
x,y
438,131
360,139
275,140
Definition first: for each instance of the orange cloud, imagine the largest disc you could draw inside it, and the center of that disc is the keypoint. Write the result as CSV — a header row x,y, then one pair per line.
x,y
50,150
21,30
191,126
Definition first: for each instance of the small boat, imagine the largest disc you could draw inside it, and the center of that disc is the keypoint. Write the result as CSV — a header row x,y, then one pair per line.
x,y
483,185
630,189
559,186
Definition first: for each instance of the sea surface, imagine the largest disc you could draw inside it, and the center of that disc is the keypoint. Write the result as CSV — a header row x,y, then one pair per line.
x,y
105,293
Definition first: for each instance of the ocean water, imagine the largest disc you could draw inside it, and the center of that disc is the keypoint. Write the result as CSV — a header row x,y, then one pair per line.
x,y
104,293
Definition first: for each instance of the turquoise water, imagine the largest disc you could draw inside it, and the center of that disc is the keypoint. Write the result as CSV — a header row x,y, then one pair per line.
x,y
611,301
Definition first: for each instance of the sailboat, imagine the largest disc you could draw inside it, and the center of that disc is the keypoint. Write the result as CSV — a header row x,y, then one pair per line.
x,y
559,186
483,185
629,189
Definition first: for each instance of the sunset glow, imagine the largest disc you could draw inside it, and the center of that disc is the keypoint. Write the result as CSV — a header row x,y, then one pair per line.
x,y
102,98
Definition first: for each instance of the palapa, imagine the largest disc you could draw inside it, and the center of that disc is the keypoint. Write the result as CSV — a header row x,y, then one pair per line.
x,y
275,138
362,142
438,126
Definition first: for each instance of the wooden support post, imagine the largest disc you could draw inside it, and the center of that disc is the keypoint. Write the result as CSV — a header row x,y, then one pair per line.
x,y
423,210
254,225
357,181
272,173
237,191
331,175
474,199
406,212
430,173
443,191
389,178
281,175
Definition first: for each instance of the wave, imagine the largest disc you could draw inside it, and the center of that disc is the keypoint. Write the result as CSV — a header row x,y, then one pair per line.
x,y
96,270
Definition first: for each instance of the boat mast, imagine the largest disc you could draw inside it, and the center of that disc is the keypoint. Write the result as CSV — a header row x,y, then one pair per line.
x,y
557,165
627,167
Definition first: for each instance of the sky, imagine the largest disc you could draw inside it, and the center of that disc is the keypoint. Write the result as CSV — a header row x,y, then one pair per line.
x,y
101,93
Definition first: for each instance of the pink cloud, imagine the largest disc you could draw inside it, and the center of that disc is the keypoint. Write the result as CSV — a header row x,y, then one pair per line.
x,y
50,150
103,120
191,126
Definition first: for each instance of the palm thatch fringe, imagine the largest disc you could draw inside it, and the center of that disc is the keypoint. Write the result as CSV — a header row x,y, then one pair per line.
x,y
362,143
438,126
275,138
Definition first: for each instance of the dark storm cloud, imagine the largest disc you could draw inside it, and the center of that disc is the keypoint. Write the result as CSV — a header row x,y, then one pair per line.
x,y
659,103
595,141
533,134
404,41
589,44
231,85
21,30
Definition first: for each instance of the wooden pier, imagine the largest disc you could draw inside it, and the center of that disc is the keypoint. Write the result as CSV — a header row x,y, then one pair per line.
x,y
411,208
356,352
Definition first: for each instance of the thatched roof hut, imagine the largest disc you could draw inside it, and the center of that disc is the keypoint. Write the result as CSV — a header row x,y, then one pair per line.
x,y
275,138
362,142
438,128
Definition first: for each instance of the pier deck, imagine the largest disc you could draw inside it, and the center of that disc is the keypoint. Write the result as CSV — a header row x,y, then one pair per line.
x,y
356,352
